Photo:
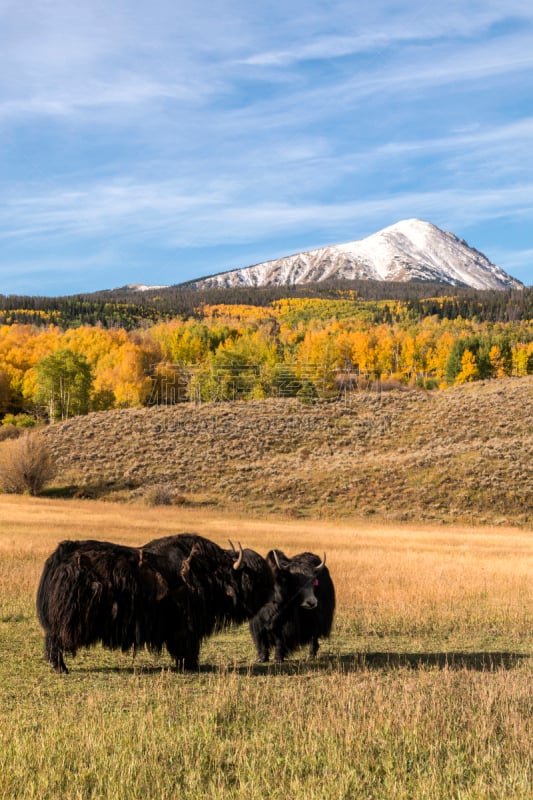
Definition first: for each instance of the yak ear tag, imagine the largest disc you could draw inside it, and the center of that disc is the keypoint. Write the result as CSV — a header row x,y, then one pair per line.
x,y
316,582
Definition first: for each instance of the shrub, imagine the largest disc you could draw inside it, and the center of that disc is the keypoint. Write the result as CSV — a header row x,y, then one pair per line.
x,y
10,432
158,495
25,464
307,394
19,420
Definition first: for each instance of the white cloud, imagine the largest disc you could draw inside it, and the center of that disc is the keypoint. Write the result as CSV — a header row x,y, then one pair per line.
x,y
177,126
191,219
387,27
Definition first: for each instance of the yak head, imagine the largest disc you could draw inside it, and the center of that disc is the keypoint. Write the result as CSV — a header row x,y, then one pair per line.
x,y
296,580
239,581
252,581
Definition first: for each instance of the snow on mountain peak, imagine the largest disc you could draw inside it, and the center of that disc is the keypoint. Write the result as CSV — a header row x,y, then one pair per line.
x,y
409,250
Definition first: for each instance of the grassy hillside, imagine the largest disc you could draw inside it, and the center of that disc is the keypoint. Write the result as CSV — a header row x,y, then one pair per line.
x,y
460,454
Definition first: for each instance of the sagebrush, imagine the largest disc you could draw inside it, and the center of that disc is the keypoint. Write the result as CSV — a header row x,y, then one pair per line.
x,y
26,464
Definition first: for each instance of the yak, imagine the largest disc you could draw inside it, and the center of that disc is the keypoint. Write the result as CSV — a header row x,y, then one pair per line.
x,y
172,592
223,586
92,591
300,609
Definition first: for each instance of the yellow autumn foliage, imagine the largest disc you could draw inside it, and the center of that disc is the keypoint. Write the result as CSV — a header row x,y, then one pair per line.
x,y
307,336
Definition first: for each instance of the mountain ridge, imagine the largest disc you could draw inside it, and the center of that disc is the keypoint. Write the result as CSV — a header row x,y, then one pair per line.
x,y
408,251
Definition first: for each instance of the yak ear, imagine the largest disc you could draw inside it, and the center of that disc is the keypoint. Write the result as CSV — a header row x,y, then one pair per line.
x,y
186,564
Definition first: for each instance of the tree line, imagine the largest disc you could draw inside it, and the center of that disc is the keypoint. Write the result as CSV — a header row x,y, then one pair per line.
x,y
129,309
310,347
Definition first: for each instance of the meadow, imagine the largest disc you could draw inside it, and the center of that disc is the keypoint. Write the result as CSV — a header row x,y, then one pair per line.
x,y
423,690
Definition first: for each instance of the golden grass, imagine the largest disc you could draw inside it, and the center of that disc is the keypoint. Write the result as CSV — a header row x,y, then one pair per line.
x,y
418,574
423,690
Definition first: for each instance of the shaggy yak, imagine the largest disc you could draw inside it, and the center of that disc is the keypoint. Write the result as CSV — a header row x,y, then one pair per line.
x,y
301,607
223,585
172,592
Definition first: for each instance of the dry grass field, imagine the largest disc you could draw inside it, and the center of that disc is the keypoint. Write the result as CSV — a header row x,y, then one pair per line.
x,y
423,690
458,455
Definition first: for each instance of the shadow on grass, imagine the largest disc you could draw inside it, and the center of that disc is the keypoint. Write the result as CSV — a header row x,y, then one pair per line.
x,y
486,661
480,661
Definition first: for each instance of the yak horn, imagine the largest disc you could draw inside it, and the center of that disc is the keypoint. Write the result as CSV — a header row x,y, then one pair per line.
x,y
276,559
238,563
322,564
232,546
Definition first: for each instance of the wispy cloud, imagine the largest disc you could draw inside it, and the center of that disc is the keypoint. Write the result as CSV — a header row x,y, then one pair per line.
x,y
141,212
419,23
153,129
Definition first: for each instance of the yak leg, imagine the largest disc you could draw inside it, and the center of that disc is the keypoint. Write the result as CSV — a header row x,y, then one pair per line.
x,y
263,653
54,654
185,653
191,658
260,638
191,653
313,647
262,647
280,652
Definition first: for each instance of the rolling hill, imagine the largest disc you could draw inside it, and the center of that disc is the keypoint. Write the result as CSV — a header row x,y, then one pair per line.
x,y
459,454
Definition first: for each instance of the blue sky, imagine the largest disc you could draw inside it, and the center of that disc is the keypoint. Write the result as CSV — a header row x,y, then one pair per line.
x,y
158,142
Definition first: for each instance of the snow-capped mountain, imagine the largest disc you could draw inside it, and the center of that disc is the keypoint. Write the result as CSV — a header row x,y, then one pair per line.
x,y
145,287
410,250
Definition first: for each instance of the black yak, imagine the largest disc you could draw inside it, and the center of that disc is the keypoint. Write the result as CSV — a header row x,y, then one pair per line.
x,y
223,586
92,591
172,593
300,609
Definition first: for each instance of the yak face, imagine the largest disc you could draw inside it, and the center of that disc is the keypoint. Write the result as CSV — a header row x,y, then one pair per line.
x,y
308,598
296,580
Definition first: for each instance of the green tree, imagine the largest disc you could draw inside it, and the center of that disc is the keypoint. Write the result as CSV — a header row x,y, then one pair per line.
x,y
284,382
479,349
5,391
63,383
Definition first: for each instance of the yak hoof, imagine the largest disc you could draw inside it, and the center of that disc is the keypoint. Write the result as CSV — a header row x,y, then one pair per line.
x,y
187,666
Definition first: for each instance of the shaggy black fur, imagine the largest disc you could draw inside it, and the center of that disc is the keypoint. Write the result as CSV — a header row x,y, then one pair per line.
x,y
301,607
172,592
